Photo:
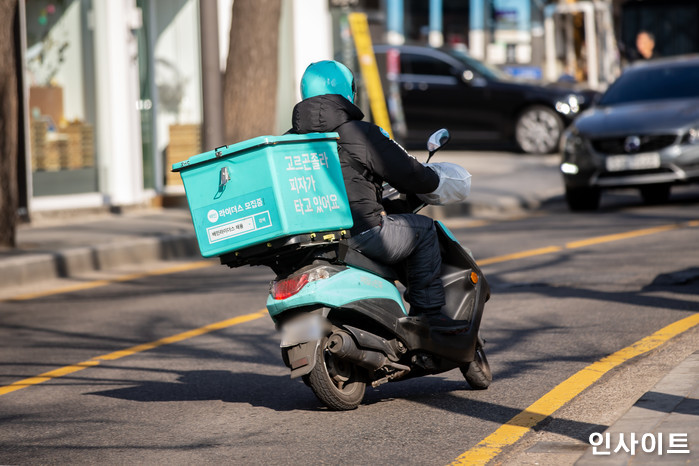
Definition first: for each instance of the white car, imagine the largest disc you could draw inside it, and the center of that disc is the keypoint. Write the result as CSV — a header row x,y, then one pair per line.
x,y
643,133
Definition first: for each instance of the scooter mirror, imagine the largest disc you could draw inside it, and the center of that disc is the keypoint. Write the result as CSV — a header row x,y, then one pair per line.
x,y
438,139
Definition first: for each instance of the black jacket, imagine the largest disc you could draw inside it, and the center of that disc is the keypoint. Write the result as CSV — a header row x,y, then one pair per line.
x,y
366,143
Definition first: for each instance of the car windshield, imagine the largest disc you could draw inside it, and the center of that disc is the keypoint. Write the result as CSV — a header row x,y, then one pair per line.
x,y
487,71
654,83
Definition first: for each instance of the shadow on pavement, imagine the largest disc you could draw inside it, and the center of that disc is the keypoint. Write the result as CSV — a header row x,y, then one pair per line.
x,y
280,394
269,391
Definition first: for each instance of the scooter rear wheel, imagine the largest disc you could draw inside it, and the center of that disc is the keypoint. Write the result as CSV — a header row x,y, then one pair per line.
x,y
477,372
337,383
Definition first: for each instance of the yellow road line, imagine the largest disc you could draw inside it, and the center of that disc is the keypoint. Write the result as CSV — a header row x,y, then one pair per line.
x,y
515,428
122,278
62,371
483,262
530,417
588,242
182,336
520,255
622,236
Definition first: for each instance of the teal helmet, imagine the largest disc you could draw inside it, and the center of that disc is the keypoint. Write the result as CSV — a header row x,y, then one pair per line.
x,y
328,77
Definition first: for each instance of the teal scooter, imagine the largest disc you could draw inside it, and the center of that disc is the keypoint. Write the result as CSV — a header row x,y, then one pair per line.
x,y
343,321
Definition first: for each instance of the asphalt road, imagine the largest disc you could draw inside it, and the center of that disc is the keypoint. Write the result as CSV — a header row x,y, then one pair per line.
x,y
568,290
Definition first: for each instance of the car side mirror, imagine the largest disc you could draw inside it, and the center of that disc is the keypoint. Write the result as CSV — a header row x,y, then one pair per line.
x,y
438,140
472,79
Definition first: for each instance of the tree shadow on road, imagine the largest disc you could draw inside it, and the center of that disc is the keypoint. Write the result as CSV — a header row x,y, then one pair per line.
x,y
270,391
278,393
457,398
511,416
681,282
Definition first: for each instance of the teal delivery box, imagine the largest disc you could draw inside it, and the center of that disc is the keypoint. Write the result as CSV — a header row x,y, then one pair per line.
x,y
265,188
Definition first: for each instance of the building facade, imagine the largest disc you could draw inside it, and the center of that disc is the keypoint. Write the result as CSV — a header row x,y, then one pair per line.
x,y
113,94
113,88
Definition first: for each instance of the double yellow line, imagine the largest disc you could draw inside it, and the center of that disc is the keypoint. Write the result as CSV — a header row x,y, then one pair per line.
x,y
491,446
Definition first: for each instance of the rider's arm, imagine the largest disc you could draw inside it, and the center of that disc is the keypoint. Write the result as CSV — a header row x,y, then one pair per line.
x,y
394,165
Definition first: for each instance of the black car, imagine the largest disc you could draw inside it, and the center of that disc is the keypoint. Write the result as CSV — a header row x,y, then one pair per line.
x,y
643,133
448,88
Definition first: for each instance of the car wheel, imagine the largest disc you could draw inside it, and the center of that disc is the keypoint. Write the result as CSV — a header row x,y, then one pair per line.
x,y
582,199
538,130
655,194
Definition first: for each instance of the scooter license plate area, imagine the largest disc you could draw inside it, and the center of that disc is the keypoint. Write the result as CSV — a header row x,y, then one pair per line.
x,y
302,330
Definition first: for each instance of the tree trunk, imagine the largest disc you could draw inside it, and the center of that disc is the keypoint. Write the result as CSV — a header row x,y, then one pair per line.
x,y
8,124
250,83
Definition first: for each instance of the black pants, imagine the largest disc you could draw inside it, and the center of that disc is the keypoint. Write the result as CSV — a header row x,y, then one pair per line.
x,y
411,238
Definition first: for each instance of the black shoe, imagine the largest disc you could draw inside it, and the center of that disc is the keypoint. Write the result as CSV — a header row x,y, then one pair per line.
x,y
438,321
444,323
420,311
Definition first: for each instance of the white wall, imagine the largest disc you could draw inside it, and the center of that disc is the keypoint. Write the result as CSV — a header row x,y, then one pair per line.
x,y
118,122
312,35
305,36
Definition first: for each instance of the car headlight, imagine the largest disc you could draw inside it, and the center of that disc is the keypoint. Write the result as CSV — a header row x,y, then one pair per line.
x,y
570,104
572,148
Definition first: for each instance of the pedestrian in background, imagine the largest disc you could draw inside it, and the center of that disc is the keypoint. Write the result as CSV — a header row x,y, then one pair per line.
x,y
645,47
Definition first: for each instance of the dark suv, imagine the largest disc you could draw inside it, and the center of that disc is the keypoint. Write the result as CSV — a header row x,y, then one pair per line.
x,y
448,88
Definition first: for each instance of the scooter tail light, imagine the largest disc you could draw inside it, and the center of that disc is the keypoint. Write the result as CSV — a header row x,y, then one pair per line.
x,y
282,289
288,287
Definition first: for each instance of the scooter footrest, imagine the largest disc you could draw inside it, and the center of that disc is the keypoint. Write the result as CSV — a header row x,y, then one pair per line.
x,y
420,321
451,330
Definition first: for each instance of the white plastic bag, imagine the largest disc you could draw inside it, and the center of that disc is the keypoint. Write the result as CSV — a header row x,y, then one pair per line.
x,y
454,184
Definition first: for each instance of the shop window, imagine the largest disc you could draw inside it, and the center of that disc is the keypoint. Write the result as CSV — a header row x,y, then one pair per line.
x,y
60,74
177,76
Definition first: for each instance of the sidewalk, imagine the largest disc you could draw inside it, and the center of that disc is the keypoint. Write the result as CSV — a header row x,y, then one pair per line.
x,y
664,422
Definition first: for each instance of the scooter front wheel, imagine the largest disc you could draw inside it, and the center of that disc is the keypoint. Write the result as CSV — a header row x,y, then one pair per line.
x,y
337,383
477,372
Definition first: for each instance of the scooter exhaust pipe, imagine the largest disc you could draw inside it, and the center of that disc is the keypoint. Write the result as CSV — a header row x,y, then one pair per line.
x,y
342,345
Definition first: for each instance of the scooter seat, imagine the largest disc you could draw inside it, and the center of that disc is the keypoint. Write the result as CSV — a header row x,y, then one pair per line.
x,y
352,257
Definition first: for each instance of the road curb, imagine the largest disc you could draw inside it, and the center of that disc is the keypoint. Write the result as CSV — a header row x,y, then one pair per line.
x,y
36,267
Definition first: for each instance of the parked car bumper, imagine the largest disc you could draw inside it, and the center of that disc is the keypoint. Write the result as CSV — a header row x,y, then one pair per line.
x,y
583,166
